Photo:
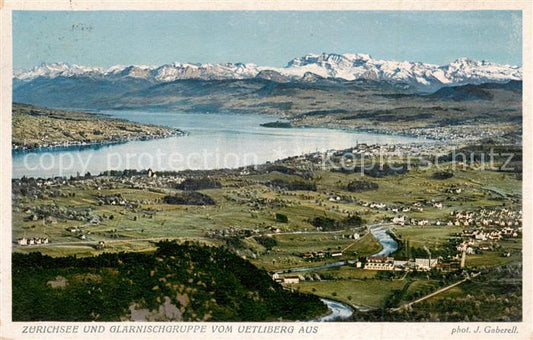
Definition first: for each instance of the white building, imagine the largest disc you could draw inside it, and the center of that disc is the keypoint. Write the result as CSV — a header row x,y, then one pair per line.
x,y
425,264
399,220
379,266
291,280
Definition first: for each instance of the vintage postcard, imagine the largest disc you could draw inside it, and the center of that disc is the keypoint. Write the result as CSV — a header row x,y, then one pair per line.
x,y
257,169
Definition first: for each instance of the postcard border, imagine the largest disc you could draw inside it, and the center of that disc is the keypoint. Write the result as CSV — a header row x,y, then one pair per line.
x,y
358,330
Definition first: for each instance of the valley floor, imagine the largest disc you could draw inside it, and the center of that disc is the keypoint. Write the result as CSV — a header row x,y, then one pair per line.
x,y
295,213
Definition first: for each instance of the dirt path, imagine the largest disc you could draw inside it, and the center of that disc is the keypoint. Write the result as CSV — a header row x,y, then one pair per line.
x,y
407,305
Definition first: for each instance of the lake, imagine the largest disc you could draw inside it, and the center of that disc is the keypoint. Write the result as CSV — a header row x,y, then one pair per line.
x,y
215,140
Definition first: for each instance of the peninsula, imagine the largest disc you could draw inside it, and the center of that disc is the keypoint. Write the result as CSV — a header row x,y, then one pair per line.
x,y
35,127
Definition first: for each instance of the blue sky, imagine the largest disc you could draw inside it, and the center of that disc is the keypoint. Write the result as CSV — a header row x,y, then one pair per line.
x,y
269,38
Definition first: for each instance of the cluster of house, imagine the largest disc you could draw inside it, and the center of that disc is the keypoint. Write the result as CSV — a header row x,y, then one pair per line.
x,y
232,231
390,264
490,235
254,199
321,254
319,159
469,246
498,218
486,226
414,207
113,138
374,205
35,187
455,133
394,150
498,222
400,220
31,241
404,220
380,263
112,200
354,236
287,279
50,213
482,239
150,180
78,232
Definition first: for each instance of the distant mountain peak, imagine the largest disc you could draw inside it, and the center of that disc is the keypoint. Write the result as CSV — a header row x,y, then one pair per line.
x,y
325,58
311,77
273,76
348,66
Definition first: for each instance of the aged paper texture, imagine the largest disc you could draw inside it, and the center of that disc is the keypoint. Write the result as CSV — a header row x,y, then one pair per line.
x,y
239,169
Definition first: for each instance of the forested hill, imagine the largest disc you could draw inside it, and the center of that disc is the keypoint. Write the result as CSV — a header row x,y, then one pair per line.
x,y
178,282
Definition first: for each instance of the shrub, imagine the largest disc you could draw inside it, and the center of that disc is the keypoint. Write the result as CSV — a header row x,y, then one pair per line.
x,y
352,221
325,223
282,218
189,198
293,185
360,186
192,184
266,241
442,175
328,224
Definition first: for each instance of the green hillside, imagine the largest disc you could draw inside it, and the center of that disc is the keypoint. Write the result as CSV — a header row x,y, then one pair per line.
x,y
177,282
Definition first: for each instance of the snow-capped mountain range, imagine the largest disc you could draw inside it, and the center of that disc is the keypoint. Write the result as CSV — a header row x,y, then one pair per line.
x,y
338,66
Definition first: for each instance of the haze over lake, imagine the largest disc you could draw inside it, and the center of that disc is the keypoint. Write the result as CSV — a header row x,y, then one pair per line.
x,y
216,140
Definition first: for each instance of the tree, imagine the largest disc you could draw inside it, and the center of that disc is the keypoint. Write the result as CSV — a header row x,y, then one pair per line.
x,y
281,218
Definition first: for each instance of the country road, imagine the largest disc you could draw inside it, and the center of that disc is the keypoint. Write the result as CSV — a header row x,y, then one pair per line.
x,y
407,305
77,243
81,242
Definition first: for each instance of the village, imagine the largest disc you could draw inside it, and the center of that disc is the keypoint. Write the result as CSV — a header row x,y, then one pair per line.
x,y
481,232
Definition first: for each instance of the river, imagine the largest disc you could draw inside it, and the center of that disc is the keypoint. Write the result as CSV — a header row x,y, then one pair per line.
x,y
339,310
387,242
389,246
215,140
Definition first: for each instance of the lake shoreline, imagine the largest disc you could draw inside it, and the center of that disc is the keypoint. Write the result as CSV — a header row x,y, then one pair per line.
x,y
214,142
43,129
72,146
